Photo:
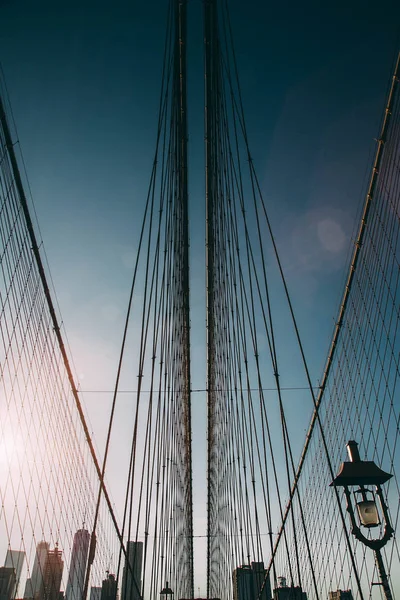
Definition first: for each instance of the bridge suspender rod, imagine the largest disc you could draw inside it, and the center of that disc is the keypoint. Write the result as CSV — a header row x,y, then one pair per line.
x,y
358,245
56,326
209,42
181,27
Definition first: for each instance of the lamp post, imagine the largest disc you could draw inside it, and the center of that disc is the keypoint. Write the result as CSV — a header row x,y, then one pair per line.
x,y
166,593
370,505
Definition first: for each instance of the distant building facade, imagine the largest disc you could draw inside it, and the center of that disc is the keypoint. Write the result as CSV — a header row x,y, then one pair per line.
x,y
248,581
52,576
7,583
288,592
341,595
109,588
77,570
45,580
95,593
132,577
15,560
33,586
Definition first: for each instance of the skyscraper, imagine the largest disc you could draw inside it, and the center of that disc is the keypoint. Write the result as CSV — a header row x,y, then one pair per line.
x,y
341,595
52,575
15,560
109,588
285,592
132,578
34,583
259,574
77,570
95,593
7,583
248,581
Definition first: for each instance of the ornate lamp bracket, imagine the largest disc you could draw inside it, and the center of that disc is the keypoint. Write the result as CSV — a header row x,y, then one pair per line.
x,y
388,531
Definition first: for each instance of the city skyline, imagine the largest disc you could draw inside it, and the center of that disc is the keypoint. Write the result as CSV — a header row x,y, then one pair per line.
x,y
45,579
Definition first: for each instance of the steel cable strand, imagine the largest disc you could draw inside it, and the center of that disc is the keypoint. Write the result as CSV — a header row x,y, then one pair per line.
x,y
264,271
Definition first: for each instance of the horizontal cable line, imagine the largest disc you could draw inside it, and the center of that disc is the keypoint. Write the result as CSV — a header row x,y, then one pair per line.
x,y
197,390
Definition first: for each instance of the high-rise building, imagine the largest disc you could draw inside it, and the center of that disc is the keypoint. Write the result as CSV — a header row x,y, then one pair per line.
x,y
286,592
248,581
132,577
52,575
109,588
95,593
34,583
341,595
7,583
77,570
15,560
28,593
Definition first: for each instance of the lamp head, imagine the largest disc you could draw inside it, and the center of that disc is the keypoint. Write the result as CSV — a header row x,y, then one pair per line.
x,y
359,472
166,593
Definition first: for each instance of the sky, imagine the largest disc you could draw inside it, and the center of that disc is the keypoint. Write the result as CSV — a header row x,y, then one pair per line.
x,y
83,79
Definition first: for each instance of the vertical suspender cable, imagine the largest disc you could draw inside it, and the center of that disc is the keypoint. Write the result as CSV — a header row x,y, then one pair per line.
x,y
181,16
209,13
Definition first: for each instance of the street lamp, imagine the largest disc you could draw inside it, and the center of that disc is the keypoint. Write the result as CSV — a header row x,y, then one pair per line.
x,y
166,593
370,504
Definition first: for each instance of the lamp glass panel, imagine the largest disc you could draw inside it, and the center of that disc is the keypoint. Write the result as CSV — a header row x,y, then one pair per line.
x,y
368,513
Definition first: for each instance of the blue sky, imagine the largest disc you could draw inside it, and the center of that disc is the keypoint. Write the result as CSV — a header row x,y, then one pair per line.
x,y
83,79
